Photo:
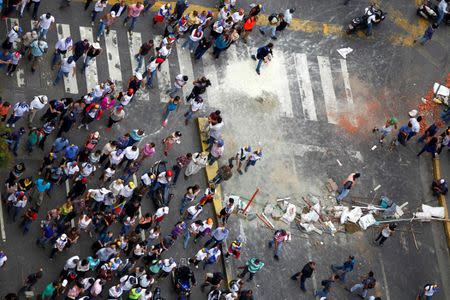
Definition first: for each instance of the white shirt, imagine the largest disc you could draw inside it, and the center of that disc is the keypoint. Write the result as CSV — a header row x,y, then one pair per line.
x,y
130,154
160,212
196,106
70,169
116,187
116,159
194,212
415,125
126,99
114,293
287,16
164,51
126,192
97,195
152,66
45,23
146,179
179,82
237,17
67,67
167,267
20,109
109,172
87,169
3,260
205,226
443,6
162,178
99,6
194,37
71,263
98,91
201,255
36,104
62,45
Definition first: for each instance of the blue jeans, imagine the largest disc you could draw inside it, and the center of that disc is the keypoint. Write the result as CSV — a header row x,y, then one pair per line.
x,y
59,75
279,247
147,6
369,29
423,39
190,44
140,60
320,293
258,66
101,29
184,202
187,236
189,114
342,194
273,29
357,287
56,57
94,15
342,273
441,15
12,119
42,33
87,61
149,77
133,22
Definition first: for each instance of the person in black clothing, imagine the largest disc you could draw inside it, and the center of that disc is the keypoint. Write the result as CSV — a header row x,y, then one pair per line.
x,y
134,83
184,274
80,48
202,47
180,7
66,123
263,54
93,51
143,51
31,280
305,273
212,279
327,284
54,110
77,189
199,88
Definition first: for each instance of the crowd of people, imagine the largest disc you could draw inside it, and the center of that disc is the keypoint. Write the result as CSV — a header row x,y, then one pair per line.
x,y
107,179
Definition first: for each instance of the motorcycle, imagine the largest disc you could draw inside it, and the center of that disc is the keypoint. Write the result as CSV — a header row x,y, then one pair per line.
x,y
182,285
162,196
360,23
429,11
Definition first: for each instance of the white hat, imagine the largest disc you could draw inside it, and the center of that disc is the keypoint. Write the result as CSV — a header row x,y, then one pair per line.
x,y
96,45
104,190
413,113
442,180
166,210
43,99
63,236
113,14
96,134
138,75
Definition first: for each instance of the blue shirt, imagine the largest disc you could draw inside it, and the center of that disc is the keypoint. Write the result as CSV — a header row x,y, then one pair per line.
x,y
5,57
41,187
220,234
71,152
48,231
59,144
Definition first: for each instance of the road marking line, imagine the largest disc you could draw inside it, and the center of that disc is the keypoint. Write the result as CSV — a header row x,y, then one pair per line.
x,y
70,82
91,70
163,76
134,44
112,52
388,297
327,88
210,71
284,96
19,73
345,75
185,63
2,223
305,86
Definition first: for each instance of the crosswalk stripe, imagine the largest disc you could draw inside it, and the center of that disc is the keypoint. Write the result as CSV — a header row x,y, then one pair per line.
x,y
20,73
210,71
185,63
284,96
91,70
112,52
327,88
305,87
348,89
70,82
134,43
163,76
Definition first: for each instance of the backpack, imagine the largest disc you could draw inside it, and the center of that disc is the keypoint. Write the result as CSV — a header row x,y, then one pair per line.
x,y
272,17
370,283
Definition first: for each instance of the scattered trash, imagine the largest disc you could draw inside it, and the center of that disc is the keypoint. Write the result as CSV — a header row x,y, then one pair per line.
x,y
366,221
345,51
339,163
377,187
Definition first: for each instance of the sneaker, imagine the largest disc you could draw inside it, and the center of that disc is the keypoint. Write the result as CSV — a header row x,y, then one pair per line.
x,y
192,51
87,127
7,125
44,37
79,126
293,278
259,73
254,57
240,172
276,257
13,125
274,38
262,32
98,39
92,23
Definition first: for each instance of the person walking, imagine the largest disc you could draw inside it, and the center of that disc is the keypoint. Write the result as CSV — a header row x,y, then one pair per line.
x,y
19,110
119,8
218,236
105,24
253,158
171,106
442,11
61,48
226,211
386,231
173,138
344,268
41,186
345,189
189,197
31,280
365,285
428,34
263,54
16,56
195,106
199,88
279,238
164,12
5,107
248,26
181,162
93,51
387,128
274,22
180,81
45,22
91,113
37,104
252,266
144,50
134,11
99,6
14,138
192,41
224,173
428,133
306,272
431,146
327,284
241,156
35,4
37,49
429,290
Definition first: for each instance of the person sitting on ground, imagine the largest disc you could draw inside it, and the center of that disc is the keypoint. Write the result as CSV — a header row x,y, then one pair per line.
x,y
439,187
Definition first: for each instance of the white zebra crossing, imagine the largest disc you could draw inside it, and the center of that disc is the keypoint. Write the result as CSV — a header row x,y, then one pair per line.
x,y
327,88
70,82
163,76
20,74
91,70
310,94
112,52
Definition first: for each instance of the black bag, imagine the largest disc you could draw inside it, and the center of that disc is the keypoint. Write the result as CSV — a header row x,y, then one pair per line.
x,y
348,185
272,16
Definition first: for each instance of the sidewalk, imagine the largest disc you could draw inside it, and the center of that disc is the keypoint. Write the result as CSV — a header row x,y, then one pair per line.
x,y
441,169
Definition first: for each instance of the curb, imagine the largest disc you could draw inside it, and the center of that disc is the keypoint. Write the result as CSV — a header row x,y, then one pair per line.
x,y
441,198
210,172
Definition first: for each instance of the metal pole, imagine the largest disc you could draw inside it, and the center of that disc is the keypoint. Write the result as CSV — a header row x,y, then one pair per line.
x,y
250,201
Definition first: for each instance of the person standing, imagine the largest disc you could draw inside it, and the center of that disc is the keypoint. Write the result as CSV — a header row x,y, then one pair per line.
x,y
189,197
117,114
199,88
203,45
241,156
218,236
174,137
144,50
432,146
193,40
163,12
16,56
287,19
119,8
248,26
279,238
345,189
37,49
428,133
226,212
263,54
304,274
198,162
80,48
42,186
252,266
134,10
106,22
19,110
93,51
195,106
386,231
180,81
365,285
37,104
429,290
44,24
36,4
100,5
216,151
61,48
181,162
5,107
224,173
14,140
428,34
67,66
